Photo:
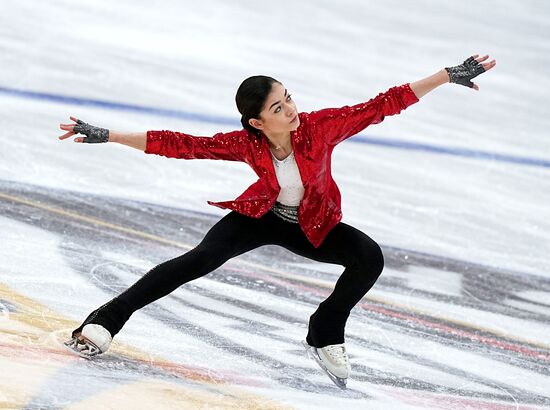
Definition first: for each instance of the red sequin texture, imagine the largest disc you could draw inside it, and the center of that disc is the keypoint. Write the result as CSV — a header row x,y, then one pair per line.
x,y
313,143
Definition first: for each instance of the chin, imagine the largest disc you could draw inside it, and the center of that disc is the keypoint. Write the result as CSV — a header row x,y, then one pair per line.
x,y
295,126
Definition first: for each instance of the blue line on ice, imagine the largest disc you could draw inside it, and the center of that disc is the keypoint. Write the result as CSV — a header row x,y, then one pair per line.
x,y
386,142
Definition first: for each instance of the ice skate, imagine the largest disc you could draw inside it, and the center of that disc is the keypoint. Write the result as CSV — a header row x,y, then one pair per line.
x,y
93,340
333,359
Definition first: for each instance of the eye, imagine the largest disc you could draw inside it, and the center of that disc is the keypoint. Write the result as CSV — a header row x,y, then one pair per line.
x,y
288,99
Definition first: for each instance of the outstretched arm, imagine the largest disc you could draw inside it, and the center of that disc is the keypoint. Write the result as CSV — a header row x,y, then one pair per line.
x,y
424,86
337,124
229,146
461,74
93,134
136,140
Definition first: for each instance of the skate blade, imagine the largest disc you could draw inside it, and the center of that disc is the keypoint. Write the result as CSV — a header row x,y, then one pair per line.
x,y
85,348
338,381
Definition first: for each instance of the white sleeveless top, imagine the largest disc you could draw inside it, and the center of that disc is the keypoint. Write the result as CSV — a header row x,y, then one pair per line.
x,y
288,176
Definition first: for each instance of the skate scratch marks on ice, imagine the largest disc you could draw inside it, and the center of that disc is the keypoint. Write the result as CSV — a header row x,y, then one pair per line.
x,y
391,305
30,331
426,320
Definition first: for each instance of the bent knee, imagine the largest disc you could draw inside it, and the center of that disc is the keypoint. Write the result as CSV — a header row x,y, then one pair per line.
x,y
370,259
377,259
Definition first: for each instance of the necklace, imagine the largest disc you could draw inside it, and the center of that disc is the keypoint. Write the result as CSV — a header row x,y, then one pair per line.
x,y
278,147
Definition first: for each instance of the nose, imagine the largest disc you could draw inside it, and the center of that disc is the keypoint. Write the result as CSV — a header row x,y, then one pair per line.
x,y
290,111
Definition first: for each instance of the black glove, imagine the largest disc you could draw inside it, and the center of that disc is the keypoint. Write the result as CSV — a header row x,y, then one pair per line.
x,y
93,134
463,73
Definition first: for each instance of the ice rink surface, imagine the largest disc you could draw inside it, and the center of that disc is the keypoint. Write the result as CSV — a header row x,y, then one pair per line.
x,y
455,189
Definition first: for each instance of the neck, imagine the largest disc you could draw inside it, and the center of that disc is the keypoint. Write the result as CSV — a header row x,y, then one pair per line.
x,y
279,141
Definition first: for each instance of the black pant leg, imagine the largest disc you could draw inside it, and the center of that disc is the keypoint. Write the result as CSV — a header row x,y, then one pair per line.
x,y
363,262
233,235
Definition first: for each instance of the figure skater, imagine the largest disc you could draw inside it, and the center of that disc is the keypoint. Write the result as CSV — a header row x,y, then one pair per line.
x,y
295,203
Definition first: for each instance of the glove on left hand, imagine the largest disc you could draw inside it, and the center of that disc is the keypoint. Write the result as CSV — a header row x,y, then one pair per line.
x,y
463,73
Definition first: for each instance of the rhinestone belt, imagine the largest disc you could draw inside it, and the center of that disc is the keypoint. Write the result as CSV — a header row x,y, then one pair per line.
x,y
286,212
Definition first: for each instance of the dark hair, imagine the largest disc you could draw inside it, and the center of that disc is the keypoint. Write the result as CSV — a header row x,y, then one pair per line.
x,y
251,97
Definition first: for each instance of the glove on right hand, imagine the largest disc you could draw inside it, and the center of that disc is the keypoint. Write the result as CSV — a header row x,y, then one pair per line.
x,y
93,134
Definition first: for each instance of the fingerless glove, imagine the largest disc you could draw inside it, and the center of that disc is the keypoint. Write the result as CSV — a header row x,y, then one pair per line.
x,y
463,73
93,134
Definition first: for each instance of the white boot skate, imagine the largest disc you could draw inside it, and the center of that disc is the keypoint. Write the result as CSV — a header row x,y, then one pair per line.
x,y
93,340
333,359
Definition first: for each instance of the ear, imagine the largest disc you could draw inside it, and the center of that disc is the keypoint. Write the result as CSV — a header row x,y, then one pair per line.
x,y
256,123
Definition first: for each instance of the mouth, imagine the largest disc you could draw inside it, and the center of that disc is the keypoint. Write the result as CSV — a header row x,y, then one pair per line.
x,y
294,119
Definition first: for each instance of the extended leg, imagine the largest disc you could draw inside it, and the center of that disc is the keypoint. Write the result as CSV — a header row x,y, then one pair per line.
x,y
233,235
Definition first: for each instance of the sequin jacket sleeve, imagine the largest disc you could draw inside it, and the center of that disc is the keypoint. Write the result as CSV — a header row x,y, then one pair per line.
x,y
337,124
231,146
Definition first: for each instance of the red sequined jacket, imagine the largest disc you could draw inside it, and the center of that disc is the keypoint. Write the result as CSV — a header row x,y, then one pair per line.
x,y
313,143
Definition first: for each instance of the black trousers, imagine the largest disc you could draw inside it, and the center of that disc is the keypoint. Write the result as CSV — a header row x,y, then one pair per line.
x,y
236,234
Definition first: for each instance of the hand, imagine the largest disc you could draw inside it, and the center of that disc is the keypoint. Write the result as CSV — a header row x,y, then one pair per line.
x,y
470,68
93,134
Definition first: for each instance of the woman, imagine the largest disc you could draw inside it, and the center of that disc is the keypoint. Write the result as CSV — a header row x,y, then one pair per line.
x,y
294,204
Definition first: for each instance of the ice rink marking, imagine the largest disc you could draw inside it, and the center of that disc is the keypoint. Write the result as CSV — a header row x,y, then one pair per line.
x,y
190,116
48,326
329,285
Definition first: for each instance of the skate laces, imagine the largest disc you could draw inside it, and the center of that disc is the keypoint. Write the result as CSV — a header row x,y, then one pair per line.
x,y
337,353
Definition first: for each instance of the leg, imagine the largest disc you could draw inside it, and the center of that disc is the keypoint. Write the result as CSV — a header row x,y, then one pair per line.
x,y
363,262
233,235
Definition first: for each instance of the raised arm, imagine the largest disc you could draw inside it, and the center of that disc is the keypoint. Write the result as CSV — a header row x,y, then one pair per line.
x,y
461,74
337,124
